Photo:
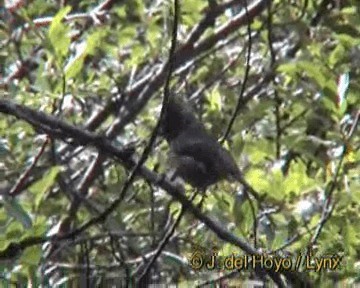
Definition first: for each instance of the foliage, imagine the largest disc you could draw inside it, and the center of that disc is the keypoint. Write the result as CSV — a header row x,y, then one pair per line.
x,y
103,69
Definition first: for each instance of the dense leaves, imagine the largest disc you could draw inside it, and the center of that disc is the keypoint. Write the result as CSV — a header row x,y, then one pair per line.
x,y
102,69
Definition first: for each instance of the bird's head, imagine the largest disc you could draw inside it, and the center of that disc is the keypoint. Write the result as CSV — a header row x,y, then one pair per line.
x,y
177,118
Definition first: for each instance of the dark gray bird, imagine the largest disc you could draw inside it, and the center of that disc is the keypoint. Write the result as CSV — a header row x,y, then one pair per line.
x,y
196,155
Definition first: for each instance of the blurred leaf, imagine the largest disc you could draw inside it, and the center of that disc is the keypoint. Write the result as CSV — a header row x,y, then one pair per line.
x,y
258,179
31,255
243,216
94,41
154,34
297,179
191,11
348,40
289,68
257,111
14,209
42,80
337,55
59,33
279,240
259,150
75,64
351,238
40,226
214,98
276,186
315,72
14,230
137,55
122,56
128,35
42,186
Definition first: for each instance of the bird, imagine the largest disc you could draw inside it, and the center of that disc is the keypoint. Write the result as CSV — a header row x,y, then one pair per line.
x,y
196,155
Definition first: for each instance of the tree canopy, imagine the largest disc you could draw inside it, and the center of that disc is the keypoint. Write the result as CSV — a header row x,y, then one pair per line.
x,y
87,197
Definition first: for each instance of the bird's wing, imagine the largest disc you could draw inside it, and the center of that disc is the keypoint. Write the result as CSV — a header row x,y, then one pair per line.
x,y
201,147
207,150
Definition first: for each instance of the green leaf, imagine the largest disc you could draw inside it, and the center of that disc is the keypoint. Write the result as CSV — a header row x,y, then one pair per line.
x,y
276,184
191,11
120,11
15,210
215,100
31,255
127,35
337,55
244,219
289,68
40,187
4,242
95,40
313,71
14,231
348,40
39,228
154,34
42,81
297,179
59,33
137,54
75,64
259,150
279,240
258,178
